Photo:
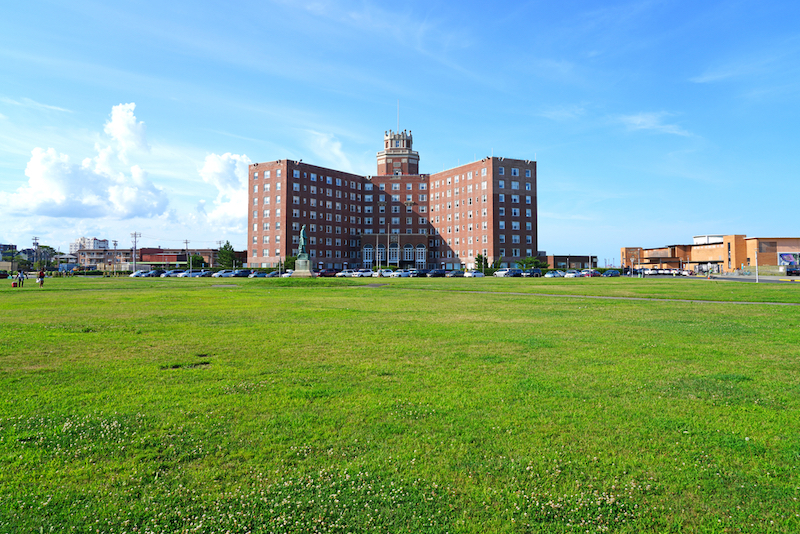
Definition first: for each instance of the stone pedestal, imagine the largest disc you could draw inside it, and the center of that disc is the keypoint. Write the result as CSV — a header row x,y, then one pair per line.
x,y
302,267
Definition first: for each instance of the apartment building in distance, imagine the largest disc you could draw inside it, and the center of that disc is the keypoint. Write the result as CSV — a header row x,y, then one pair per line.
x,y
89,243
397,217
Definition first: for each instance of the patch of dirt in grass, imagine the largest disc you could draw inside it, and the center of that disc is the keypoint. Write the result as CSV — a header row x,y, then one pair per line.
x,y
189,365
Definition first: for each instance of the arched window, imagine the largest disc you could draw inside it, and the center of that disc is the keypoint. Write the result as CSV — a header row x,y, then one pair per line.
x,y
421,253
381,253
394,253
368,254
408,253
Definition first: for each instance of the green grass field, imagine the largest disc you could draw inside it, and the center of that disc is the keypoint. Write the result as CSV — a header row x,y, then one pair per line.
x,y
461,406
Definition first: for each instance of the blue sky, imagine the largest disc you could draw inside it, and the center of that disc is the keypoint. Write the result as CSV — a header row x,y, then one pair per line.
x,y
652,121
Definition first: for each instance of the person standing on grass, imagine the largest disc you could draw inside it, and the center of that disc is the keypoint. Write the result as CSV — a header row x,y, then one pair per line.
x,y
40,279
21,278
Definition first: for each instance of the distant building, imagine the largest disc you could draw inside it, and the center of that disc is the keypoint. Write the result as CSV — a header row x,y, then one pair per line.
x,y
398,217
717,252
87,243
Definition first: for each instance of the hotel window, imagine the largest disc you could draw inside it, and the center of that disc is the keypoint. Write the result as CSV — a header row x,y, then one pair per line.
x,y
395,198
295,213
266,213
527,199
367,209
277,239
528,240
501,184
395,209
382,187
484,239
367,198
514,172
339,182
296,174
409,198
515,212
395,220
528,226
381,209
278,213
515,252
295,200
515,199
423,209
527,213
527,173
484,185
338,206
409,220
367,187
502,225
313,215
501,198
515,238
423,187
502,238
514,185
483,171
255,201
313,202
266,227
515,225
422,198
527,186
501,171
329,180
368,221
277,199
255,188
395,187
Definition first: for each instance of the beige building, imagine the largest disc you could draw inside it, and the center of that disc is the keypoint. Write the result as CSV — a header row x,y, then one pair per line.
x,y
717,252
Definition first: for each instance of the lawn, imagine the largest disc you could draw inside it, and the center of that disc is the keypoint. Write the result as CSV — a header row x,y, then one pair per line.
x,y
281,405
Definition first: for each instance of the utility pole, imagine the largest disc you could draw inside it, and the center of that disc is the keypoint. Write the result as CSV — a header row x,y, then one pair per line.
x,y
35,250
135,236
188,258
114,259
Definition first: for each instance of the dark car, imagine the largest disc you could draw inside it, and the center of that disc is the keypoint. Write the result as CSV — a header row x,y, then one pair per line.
x,y
420,272
327,272
155,273
242,273
436,273
792,270
612,272
3,275
533,273
455,274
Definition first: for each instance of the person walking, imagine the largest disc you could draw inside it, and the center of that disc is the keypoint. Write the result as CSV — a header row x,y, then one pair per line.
x,y
40,278
21,278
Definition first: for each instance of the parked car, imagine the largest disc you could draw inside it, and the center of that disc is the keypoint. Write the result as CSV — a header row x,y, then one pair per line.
x,y
362,273
139,274
473,274
792,270
611,273
242,273
381,273
223,273
401,273
554,274
172,273
457,273
288,273
191,273
327,273
532,273
590,273
572,273
419,272
436,273
508,271
347,273
4,275
258,274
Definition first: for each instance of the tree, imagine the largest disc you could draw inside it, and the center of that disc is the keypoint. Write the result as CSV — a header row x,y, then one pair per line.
x,y
531,262
288,262
226,256
481,262
197,261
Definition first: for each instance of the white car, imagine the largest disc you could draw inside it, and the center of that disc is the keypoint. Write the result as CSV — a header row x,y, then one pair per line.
x,y
573,274
400,273
362,273
345,274
223,274
288,273
138,274
554,274
473,274
382,272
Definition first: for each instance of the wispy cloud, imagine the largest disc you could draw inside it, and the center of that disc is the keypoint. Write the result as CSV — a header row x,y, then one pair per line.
x,y
29,103
653,121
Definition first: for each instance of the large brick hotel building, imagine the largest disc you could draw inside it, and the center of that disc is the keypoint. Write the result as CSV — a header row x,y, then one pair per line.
x,y
397,217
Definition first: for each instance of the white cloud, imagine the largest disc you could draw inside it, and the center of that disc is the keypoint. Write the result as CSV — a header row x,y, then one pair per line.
x,y
652,121
59,187
329,151
28,103
123,128
228,173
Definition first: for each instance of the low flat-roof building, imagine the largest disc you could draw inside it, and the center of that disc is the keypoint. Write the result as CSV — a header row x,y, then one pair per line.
x,y
723,253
